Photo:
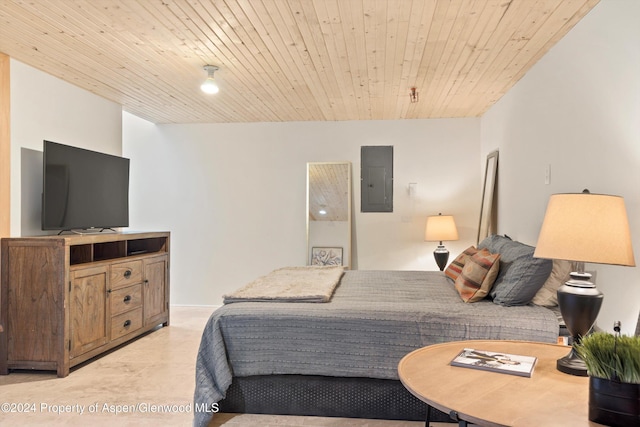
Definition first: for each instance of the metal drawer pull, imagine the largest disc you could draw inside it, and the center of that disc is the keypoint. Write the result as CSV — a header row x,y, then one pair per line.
x,y
127,299
127,323
127,274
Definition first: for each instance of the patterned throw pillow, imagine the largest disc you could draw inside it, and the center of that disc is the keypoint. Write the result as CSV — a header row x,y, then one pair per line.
x,y
477,276
455,268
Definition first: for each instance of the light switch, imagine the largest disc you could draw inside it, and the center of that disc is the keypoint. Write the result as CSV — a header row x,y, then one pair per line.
x,y
547,175
412,188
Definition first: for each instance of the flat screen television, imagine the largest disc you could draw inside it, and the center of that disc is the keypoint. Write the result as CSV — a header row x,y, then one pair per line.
x,y
83,189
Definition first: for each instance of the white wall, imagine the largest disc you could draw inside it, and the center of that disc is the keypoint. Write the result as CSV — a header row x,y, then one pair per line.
x,y
577,110
233,195
44,107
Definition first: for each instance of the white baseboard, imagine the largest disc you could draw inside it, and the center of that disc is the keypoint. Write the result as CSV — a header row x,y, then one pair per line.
x,y
213,307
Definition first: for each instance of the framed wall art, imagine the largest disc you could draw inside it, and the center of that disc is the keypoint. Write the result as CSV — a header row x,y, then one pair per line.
x,y
326,256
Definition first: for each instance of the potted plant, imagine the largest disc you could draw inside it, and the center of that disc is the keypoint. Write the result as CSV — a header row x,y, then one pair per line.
x,y
613,365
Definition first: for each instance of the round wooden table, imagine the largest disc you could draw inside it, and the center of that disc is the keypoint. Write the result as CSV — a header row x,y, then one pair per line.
x,y
548,398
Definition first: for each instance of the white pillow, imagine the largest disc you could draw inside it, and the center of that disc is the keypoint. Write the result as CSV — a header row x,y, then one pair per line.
x,y
547,296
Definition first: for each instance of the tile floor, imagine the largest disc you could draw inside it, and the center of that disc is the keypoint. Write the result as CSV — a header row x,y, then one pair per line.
x,y
130,386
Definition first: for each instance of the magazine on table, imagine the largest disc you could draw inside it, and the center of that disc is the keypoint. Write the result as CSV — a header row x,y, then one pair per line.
x,y
505,363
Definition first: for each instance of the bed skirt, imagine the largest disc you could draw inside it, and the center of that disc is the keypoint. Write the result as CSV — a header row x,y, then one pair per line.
x,y
325,397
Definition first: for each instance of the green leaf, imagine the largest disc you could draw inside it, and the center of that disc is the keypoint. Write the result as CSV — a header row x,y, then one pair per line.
x,y
612,358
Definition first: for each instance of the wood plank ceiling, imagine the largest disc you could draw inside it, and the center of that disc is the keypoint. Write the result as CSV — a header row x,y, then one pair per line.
x,y
289,60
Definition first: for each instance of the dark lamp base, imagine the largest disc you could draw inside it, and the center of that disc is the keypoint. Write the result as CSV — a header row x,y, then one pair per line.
x,y
579,302
441,254
572,364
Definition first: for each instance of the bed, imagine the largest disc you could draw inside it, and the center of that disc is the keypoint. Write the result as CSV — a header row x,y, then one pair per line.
x,y
340,358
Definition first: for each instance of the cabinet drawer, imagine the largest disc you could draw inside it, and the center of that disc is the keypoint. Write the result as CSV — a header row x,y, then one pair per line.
x,y
125,299
124,323
125,273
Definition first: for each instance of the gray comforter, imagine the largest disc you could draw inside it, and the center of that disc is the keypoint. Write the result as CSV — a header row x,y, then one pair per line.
x,y
373,320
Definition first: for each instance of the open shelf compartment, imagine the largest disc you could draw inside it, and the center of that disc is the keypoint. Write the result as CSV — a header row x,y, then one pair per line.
x,y
103,251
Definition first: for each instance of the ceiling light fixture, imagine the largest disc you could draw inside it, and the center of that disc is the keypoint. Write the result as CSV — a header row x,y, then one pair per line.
x,y
209,86
413,95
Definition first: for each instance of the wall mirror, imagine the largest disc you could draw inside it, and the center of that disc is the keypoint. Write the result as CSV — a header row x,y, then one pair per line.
x,y
488,212
329,213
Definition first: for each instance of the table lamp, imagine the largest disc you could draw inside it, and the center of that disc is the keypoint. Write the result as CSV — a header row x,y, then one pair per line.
x,y
440,228
583,228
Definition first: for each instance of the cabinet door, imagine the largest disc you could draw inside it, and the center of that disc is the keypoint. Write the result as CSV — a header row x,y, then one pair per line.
x,y
89,322
156,300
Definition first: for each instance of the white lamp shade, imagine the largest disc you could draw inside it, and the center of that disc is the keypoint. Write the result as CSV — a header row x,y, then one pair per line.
x,y
209,86
440,228
586,228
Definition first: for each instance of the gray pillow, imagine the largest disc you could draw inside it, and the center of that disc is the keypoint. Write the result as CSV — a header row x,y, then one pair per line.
x,y
521,275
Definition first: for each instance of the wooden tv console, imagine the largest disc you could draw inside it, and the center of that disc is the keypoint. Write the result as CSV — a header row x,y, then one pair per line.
x,y
65,299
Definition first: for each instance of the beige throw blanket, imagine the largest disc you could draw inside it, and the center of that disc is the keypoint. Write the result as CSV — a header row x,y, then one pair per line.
x,y
291,284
